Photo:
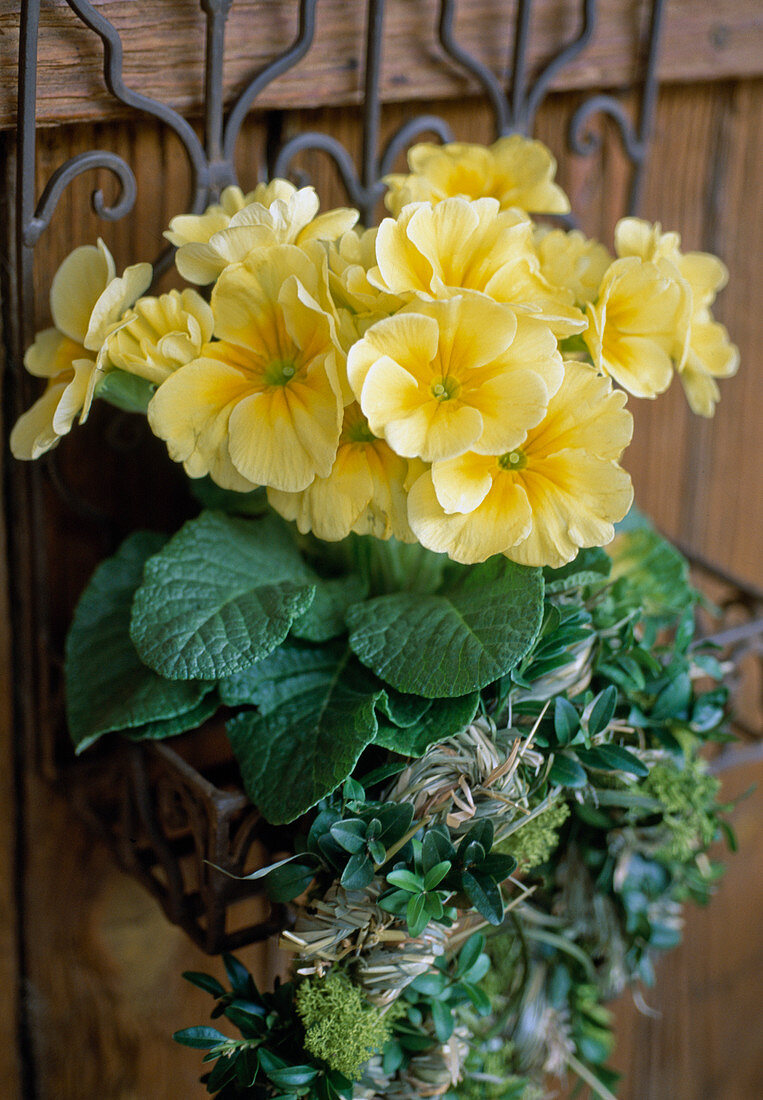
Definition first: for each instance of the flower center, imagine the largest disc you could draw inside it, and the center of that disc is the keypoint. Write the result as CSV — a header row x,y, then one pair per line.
x,y
279,372
513,460
444,388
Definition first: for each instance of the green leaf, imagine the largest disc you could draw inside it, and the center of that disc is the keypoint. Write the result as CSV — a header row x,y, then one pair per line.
x,y
203,1038
443,719
108,688
416,915
325,618
469,953
591,566
289,881
484,896
674,698
602,711
405,880
350,834
442,1018
566,772
205,982
171,727
436,874
456,641
239,977
315,726
656,573
436,847
613,758
358,873
566,720
221,595
403,710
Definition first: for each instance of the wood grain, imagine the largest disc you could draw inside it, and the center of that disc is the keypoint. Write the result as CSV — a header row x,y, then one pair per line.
x,y
163,39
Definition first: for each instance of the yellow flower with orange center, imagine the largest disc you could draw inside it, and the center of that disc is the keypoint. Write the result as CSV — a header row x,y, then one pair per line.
x,y
515,170
441,378
364,492
702,348
540,502
88,302
457,246
263,404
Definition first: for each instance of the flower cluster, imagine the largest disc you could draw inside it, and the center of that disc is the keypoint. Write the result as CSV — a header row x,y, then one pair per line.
x,y
423,380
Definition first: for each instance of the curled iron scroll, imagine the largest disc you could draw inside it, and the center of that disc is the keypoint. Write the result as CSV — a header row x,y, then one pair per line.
x,y
63,176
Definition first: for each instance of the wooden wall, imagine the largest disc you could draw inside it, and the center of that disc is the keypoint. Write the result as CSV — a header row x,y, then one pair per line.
x,y
89,968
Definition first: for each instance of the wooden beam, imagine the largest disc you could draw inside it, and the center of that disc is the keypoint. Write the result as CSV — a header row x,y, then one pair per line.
x,y
163,45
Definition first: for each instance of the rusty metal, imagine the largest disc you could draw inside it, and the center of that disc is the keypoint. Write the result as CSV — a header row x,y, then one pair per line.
x,y
182,826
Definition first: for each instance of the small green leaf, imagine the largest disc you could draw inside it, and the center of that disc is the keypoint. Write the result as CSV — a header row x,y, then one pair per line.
x,y
288,882
484,896
405,880
566,720
416,915
567,772
603,710
350,834
358,873
613,758
202,1038
674,699
205,982
436,874
442,1018
469,953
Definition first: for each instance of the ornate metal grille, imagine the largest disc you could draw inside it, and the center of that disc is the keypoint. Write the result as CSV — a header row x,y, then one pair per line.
x,y
177,823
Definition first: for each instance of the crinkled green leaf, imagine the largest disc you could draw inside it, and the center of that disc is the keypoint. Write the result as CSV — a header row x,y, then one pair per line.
x,y
221,595
326,616
457,640
314,724
443,719
171,727
108,688
655,571
591,566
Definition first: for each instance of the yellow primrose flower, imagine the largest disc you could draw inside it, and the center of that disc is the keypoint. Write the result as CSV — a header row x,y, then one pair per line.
x,y
285,221
572,260
263,404
162,334
705,352
632,335
442,378
539,503
188,228
514,170
457,245
364,493
87,304
358,302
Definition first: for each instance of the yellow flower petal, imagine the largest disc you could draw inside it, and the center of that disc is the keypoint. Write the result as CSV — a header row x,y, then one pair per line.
x,y
77,285
500,521
33,433
51,353
575,500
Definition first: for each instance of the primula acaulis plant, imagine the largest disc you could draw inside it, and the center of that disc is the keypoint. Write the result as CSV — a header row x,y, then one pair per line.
x,y
404,444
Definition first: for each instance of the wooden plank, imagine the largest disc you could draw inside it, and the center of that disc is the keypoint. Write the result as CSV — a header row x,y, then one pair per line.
x,y
704,1039
163,39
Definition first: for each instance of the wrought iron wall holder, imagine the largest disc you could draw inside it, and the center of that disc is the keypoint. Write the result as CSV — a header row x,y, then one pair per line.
x,y
177,822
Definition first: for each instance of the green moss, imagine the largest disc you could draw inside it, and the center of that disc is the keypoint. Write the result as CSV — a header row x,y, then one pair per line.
x,y
688,796
341,1027
533,843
